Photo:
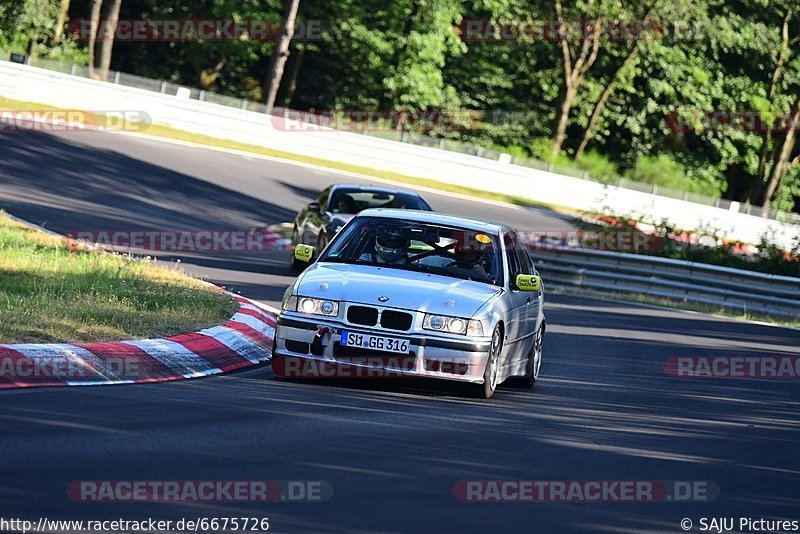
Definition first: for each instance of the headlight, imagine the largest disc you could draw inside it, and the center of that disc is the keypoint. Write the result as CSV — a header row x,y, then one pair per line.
x,y
290,303
452,325
328,308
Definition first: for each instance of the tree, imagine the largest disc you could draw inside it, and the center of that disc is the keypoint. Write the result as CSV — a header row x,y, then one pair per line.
x,y
600,105
415,80
108,32
58,31
94,20
275,75
574,68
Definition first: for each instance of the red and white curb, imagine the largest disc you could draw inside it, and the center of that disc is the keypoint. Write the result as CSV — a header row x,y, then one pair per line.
x,y
245,340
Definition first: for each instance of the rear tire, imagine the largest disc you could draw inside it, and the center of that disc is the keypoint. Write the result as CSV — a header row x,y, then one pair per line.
x,y
534,361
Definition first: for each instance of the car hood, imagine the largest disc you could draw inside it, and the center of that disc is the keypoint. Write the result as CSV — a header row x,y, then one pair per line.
x,y
409,290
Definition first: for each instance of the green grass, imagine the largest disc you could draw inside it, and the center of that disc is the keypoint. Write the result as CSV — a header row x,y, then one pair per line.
x,y
52,293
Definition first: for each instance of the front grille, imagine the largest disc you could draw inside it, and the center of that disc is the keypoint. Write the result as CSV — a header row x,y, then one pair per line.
x,y
362,315
395,320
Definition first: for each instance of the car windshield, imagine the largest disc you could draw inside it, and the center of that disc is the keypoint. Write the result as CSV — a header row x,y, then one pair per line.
x,y
417,246
352,201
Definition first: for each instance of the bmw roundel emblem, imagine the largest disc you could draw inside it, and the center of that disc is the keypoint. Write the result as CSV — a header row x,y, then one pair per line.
x,y
383,299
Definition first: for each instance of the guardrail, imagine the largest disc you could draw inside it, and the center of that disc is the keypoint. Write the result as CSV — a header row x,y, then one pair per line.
x,y
637,274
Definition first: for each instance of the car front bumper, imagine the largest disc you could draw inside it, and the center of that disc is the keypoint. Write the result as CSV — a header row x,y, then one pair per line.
x,y
311,347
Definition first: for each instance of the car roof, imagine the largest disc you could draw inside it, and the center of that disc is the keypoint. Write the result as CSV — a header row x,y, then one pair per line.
x,y
374,188
436,218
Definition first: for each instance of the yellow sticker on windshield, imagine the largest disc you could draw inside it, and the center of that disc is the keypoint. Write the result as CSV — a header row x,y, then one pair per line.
x,y
483,238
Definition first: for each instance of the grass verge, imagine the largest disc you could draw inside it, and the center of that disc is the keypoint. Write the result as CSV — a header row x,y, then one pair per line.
x,y
51,293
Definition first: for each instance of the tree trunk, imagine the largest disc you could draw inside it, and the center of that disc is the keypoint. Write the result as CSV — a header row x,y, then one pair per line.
x,y
108,30
773,90
573,74
563,119
780,162
273,80
294,70
63,9
93,22
30,50
600,105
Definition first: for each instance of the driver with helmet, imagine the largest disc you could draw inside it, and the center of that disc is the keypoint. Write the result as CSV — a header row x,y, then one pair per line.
x,y
391,247
472,256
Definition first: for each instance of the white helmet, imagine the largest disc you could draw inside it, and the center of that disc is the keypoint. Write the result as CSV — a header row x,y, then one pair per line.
x,y
392,244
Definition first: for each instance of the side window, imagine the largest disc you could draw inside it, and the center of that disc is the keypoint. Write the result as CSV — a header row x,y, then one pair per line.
x,y
511,256
524,257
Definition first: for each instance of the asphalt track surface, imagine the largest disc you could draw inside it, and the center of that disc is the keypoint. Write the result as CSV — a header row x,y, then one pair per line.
x,y
604,409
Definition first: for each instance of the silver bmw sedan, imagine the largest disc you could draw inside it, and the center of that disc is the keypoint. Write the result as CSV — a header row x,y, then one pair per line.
x,y
414,293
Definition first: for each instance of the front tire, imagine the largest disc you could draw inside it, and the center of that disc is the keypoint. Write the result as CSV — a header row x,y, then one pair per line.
x,y
491,375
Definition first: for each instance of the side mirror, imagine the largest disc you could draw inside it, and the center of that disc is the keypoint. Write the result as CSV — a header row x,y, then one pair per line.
x,y
528,282
313,206
304,252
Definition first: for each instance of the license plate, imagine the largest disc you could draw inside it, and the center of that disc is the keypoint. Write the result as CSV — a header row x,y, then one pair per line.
x,y
367,341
